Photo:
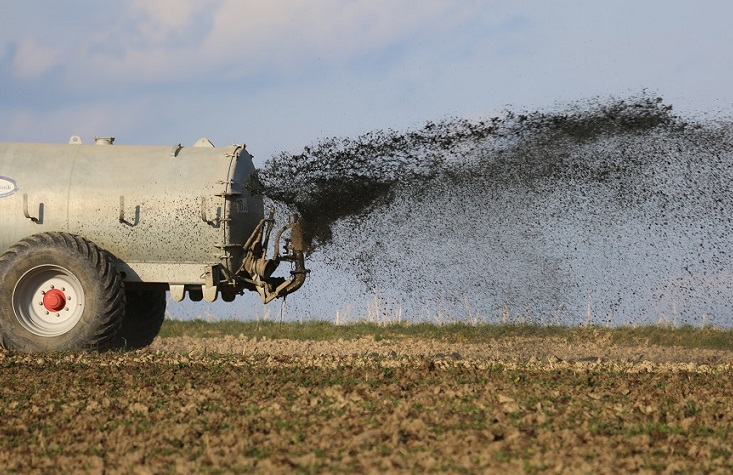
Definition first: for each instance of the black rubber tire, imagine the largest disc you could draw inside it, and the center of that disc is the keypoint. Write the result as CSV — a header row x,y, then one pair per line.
x,y
144,316
103,306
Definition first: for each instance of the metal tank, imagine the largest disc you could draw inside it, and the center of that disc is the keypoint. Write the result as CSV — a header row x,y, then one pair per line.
x,y
160,217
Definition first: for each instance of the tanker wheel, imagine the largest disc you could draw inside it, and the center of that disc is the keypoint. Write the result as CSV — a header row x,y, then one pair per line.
x,y
144,315
59,292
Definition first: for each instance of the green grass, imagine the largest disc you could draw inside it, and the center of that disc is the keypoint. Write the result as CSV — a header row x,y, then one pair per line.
x,y
684,336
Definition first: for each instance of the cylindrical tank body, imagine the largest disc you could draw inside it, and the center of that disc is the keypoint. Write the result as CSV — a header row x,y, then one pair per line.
x,y
168,214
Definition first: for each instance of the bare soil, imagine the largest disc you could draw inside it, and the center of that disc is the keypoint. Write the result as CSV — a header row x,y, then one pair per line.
x,y
241,405
503,349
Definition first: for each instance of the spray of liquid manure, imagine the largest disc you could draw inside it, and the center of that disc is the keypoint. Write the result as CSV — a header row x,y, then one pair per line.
x,y
611,211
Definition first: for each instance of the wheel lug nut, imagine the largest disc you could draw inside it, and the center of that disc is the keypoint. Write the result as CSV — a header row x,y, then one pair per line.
x,y
58,314
52,286
43,292
47,312
40,303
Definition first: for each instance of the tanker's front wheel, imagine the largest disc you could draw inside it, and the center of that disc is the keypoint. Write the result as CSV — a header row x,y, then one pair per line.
x,y
58,292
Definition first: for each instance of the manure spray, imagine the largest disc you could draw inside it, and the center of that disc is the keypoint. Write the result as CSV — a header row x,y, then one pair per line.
x,y
612,211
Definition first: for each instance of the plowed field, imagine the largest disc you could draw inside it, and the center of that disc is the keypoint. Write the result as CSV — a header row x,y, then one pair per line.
x,y
241,405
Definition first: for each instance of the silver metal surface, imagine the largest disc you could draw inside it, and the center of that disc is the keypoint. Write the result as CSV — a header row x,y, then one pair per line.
x,y
175,217
143,204
48,300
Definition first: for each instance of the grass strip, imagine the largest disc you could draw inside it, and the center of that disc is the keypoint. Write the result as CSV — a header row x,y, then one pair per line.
x,y
684,336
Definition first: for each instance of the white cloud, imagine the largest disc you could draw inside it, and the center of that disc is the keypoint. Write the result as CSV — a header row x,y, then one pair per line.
x,y
173,40
160,21
33,59
338,66
328,29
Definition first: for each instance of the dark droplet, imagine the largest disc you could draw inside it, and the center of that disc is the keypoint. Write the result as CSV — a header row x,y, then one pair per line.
x,y
611,210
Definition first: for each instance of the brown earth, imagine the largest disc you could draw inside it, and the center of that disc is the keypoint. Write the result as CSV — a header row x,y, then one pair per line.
x,y
238,405
504,349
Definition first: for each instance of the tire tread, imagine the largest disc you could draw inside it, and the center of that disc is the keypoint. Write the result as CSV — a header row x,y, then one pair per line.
x,y
112,303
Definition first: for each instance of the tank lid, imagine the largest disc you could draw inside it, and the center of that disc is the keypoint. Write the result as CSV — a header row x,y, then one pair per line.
x,y
104,140
75,140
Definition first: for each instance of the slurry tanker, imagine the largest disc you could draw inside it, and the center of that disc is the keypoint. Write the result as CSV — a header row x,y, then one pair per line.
x,y
93,235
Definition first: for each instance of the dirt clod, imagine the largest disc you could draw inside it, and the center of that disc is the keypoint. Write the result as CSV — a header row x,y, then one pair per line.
x,y
227,405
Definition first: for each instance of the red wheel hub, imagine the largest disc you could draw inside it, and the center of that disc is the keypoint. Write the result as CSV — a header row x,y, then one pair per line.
x,y
54,300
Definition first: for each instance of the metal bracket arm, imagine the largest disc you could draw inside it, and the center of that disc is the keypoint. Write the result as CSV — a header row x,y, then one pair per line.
x,y
257,269
26,213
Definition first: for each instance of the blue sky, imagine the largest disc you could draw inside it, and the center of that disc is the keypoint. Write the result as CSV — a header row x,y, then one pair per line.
x,y
278,75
